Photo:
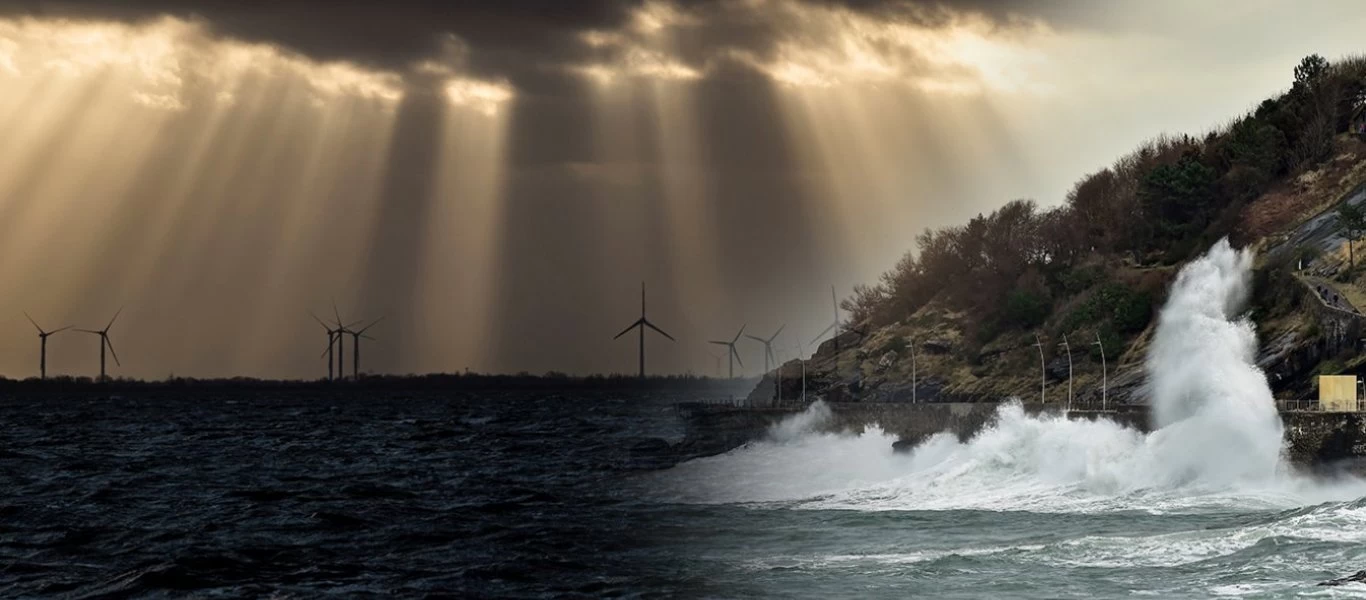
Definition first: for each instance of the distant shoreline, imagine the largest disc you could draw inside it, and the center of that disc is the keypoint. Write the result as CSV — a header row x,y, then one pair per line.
x,y
432,382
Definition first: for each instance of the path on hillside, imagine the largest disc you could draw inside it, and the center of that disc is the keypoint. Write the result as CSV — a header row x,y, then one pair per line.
x,y
1322,231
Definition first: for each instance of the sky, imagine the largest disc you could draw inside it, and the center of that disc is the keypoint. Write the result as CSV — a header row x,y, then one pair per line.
x,y
496,180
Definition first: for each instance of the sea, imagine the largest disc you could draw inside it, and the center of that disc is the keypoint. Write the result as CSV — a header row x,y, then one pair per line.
x,y
421,495
541,495
584,493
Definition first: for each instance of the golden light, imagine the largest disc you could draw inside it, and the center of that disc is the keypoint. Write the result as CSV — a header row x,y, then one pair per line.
x,y
600,74
634,58
165,60
822,46
158,166
655,16
482,96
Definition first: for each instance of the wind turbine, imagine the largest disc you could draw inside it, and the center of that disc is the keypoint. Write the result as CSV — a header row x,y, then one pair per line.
x,y
801,357
768,348
835,325
355,347
341,330
734,356
42,335
104,342
332,335
642,323
334,338
718,362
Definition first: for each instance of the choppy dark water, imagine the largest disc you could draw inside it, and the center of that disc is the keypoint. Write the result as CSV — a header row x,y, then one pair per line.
x,y
544,495
500,495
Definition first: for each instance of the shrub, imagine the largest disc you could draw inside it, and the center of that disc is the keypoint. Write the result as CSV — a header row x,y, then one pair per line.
x,y
897,345
1026,308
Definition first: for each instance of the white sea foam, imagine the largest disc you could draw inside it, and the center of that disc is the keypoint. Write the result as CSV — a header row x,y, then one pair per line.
x,y
1218,442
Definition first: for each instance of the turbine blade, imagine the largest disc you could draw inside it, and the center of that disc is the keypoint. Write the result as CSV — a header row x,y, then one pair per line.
x,y
116,317
719,343
737,355
757,339
35,324
661,331
372,324
320,321
777,333
738,334
89,331
109,343
771,355
628,329
59,330
822,333
338,313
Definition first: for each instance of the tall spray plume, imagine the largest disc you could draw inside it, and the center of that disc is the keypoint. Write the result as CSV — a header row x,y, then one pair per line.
x,y
1215,417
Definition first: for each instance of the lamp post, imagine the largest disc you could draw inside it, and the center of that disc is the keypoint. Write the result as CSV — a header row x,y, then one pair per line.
x,y
1069,372
1043,375
1104,374
913,377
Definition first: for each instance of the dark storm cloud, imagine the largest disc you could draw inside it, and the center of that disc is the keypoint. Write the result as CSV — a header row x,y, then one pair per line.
x,y
523,40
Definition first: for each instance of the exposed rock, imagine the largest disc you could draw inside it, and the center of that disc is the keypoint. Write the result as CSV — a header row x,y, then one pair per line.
x,y
937,346
1057,368
888,359
1358,577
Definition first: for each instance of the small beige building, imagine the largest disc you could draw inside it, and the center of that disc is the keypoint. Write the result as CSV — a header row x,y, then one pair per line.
x,y
1338,393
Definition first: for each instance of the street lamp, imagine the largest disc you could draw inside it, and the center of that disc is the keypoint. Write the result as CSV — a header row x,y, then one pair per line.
x,y
1104,374
1069,372
913,378
1043,374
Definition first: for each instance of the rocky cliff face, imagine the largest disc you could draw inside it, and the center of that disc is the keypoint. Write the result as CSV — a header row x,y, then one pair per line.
x,y
937,354
877,367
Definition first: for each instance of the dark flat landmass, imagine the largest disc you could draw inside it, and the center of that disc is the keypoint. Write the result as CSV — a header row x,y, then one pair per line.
x,y
473,382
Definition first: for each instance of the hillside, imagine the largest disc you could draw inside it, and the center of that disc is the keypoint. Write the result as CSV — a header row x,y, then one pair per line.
x,y
968,301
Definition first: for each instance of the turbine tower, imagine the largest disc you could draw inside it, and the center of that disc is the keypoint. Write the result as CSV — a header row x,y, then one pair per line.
x,y
768,348
834,326
718,362
334,339
355,347
105,343
342,329
642,323
332,336
42,353
734,356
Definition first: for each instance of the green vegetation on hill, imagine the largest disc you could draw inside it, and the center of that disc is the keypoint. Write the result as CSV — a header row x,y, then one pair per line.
x,y
1098,265
1021,266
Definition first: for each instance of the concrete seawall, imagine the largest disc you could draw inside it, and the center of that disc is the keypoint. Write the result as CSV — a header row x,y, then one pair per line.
x,y
1312,438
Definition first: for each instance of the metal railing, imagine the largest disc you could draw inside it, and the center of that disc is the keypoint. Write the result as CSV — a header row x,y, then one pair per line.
x,y
1311,406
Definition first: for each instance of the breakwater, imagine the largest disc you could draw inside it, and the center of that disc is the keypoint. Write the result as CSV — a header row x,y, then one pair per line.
x,y
1312,438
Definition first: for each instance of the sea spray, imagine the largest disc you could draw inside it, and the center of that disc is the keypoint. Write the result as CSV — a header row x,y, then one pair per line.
x,y
1212,407
1218,443
812,420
